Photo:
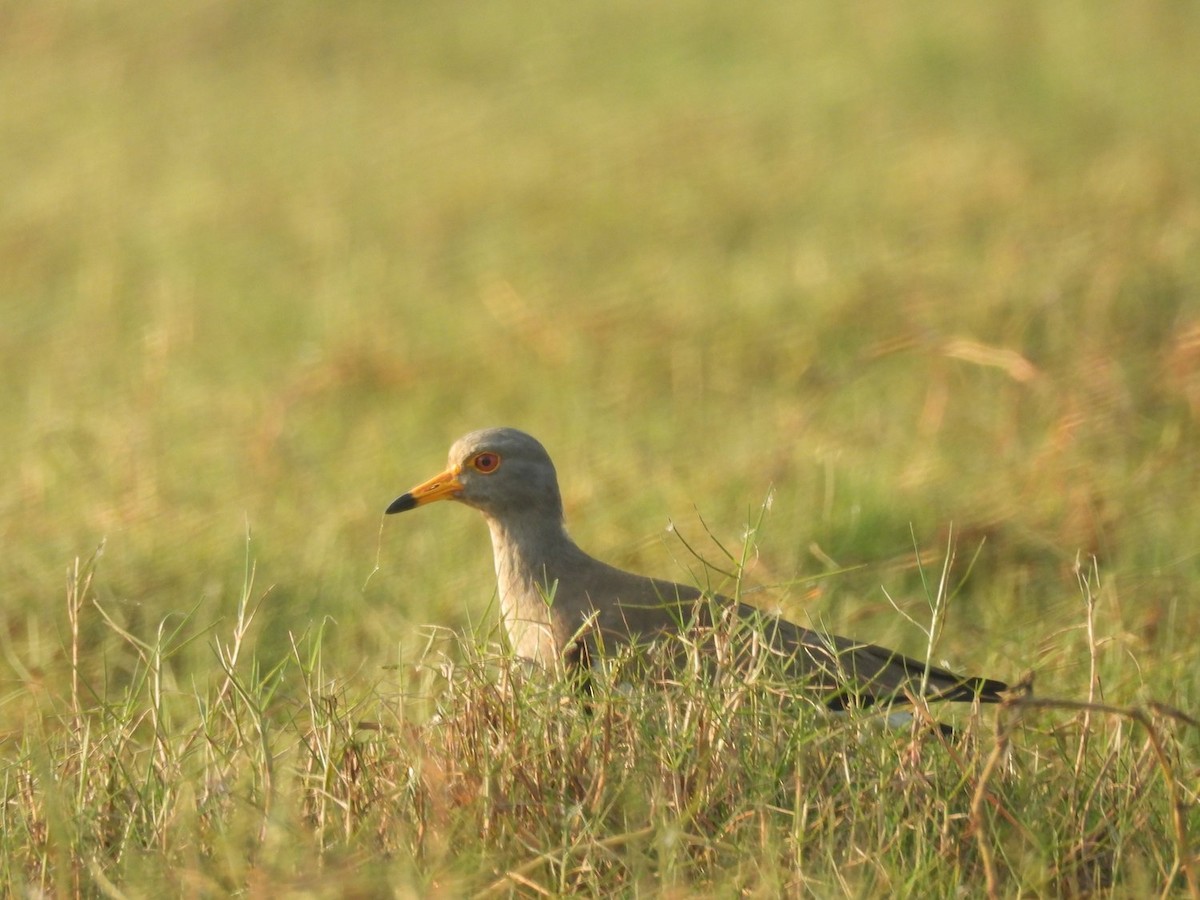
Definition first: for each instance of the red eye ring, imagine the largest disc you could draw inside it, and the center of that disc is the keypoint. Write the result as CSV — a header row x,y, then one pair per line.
x,y
486,462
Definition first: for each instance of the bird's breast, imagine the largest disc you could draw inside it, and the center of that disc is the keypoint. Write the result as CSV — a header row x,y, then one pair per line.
x,y
536,629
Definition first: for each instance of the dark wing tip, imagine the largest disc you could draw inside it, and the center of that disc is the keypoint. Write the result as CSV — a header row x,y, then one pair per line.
x,y
989,690
403,503
967,690
970,690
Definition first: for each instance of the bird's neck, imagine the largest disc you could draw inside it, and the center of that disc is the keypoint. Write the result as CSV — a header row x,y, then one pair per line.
x,y
532,554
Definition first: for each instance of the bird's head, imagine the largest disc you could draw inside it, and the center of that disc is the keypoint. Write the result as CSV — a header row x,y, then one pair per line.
x,y
500,471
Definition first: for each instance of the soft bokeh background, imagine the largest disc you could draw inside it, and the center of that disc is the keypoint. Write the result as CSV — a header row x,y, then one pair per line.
x,y
913,268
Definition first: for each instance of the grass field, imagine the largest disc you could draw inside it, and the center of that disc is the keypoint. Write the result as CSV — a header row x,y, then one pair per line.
x,y
924,276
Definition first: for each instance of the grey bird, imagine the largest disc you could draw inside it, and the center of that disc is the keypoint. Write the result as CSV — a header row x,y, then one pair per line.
x,y
561,606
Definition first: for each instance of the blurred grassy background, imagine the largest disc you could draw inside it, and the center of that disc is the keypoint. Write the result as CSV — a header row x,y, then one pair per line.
x,y
906,265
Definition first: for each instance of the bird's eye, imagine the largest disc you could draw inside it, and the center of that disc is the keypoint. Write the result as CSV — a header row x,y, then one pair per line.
x,y
486,462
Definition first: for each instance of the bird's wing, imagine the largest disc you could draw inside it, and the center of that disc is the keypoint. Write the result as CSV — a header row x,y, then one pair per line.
x,y
855,673
848,672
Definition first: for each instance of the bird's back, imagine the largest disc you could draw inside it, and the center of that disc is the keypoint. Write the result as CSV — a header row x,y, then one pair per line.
x,y
604,608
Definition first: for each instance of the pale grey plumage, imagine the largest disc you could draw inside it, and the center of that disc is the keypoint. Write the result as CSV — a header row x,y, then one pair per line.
x,y
556,600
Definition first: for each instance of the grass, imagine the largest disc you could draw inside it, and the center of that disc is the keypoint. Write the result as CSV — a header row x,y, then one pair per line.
x,y
464,773
912,272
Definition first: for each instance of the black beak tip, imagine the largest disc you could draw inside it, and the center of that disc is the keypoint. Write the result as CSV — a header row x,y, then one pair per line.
x,y
403,503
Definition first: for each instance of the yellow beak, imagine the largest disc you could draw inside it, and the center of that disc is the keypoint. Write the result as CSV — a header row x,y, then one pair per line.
x,y
440,487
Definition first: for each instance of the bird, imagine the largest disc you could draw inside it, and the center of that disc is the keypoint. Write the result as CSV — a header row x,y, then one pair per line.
x,y
562,607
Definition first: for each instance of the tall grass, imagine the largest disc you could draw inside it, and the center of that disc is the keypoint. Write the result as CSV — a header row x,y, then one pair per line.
x,y
469,774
